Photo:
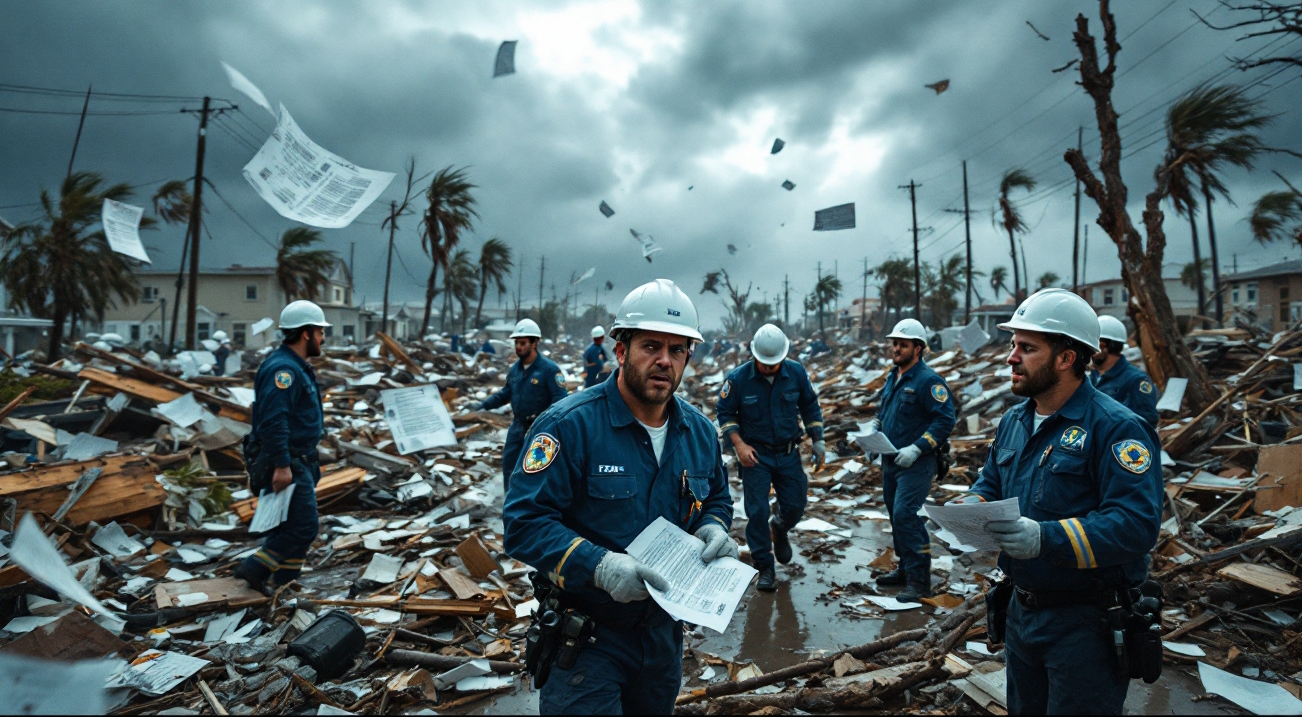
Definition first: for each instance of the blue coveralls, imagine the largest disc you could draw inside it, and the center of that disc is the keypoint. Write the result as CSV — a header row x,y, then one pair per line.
x,y
1131,388
529,391
768,417
916,409
594,361
1092,477
287,423
220,354
588,484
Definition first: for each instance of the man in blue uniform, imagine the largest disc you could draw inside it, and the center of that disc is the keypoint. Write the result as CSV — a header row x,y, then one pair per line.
x,y
601,467
533,383
594,360
761,406
1117,377
222,353
1087,476
917,415
281,448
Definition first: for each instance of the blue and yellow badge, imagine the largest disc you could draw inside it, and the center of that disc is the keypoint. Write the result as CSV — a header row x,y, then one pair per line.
x,y
560,379
1132,455
727,389
1073,438
284,379
1145,387
534,381
541,452
939,393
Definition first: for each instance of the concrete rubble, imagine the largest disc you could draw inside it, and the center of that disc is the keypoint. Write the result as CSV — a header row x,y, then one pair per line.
x,y
130,466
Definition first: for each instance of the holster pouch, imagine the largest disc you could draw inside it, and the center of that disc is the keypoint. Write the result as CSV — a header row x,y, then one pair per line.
x,y
997,599
556,634
1144,632
256,465
944,461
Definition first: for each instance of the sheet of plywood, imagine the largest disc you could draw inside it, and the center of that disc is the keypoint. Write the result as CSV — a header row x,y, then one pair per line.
x,y
1263,576
475,556
1281,484
460,583
220,591
72,637
63,475
125,487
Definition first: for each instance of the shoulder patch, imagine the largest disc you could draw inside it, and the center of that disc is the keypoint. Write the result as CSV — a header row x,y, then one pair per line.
x,y
1145,386
1073,438
1132,455
727,389
284,379
560,379
533,381
542,451
939,393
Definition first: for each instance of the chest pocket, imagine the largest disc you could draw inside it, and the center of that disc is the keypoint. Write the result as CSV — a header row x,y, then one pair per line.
x,y
1064,487
908,397
612,507
750,408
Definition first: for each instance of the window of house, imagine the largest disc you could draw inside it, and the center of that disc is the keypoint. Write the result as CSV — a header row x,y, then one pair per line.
x,y
1234,293
349,331
1125,295
135,332
1283,292
339,295
203,330
238,333
250,292
1283,313
1109,295
148,294
329,331
1252,293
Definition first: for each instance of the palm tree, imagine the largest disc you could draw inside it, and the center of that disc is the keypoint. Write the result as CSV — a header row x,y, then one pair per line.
x,y
942,284
999,280
1011,220
896,288
462,282
494,266
172,202
826,292
451,211
1207,129
303,272
1191,276
1047,279
1272,211
57,269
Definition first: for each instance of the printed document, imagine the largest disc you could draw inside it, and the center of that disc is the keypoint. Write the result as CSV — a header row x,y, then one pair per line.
x,y
122,229
272,510
875,442
967,521
418,418
700,593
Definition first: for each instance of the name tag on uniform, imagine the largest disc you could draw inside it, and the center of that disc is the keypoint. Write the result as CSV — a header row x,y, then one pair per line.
x,y
610,469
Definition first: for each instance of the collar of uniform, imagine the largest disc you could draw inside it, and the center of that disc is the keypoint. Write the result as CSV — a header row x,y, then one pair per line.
x,y
295,357
1119,367
1074,408
915,367
620,415
754,373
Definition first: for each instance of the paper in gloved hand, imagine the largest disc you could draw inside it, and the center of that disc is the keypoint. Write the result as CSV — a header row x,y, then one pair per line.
x,y
701,593
875,442
967,521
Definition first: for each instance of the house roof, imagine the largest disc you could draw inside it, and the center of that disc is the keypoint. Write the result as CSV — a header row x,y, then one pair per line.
x,y
1284,267
233,269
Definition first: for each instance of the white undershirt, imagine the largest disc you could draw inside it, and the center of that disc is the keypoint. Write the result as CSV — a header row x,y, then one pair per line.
x,y
657,437
1038,420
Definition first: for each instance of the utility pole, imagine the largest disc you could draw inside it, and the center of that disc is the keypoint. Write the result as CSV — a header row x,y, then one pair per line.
x,y
818,298
196,223
81,123
863,303
786,301
352,261
967,232
1216,265
542,270
388,266
1075,234
1085,255
917,268
519,288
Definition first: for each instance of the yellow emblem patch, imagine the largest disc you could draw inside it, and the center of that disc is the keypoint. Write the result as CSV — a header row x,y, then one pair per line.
x,y
727,388
939,393
284,379
541,452
1132,455
1145,387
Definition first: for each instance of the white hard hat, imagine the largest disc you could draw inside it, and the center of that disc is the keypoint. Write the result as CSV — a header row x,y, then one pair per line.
x,y
302,313
1112,329
909,330
527,329
658,306
598,332
770,345
220,336
1057,311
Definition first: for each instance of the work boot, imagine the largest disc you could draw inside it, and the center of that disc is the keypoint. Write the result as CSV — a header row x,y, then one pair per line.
x,y
894,577
252,572
913,593
781,546
768,580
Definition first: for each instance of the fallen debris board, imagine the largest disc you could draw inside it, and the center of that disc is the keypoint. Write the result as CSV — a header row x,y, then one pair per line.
x,y
331,484
231,592
32,687
1263,576
130,386
1263,698
460,583
397,352
382,569
476,558
72,637
126,486
1281,482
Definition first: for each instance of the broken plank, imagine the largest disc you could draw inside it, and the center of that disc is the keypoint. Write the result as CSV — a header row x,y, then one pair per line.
x,y
218,591
330,484
1264,577
475,557
460,583
397,352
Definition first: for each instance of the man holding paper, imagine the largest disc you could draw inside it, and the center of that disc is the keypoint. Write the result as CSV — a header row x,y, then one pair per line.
x,y
761,406
1086,473
917,415
601,466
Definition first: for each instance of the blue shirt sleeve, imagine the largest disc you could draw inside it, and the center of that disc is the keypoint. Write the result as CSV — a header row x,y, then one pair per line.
x,y
1144,399
726,409
556,386
274,404
940,407
502,396
810,412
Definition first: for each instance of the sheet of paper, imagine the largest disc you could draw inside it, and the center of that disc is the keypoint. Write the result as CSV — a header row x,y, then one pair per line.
x,y
474,668
84,447
234,362
382,568
115,541
261,325
303,181
272,510
1297,377
242,396
243,85
1262,698
891,604
34,553
967,521
648,243
32,686
155,673
418,418
875,442
221,626
699,593
122,229
1173,394
973,338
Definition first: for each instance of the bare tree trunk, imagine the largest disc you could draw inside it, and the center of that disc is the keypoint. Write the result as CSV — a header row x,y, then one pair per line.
x,y
1198,267
60,318
1165,353
429,298
479,309
1017,281
1216,266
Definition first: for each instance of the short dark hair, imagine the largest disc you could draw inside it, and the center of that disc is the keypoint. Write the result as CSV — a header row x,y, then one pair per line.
x,y
293,335
1060,343
1113,347
625,336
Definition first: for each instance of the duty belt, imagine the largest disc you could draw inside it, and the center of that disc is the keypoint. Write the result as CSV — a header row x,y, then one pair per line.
x,y
779,448
1043,600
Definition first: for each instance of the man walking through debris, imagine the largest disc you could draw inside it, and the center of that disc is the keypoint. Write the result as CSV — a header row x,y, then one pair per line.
x,y
281,448
917,415
1086,474
533,383
594,360
602,466
222,353
1117,377
761,406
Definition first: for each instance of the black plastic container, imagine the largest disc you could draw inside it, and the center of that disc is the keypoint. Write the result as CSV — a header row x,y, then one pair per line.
x,y
329,644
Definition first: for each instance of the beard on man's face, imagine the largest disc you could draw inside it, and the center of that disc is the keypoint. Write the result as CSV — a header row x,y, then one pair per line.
x,y
655,386
1037,382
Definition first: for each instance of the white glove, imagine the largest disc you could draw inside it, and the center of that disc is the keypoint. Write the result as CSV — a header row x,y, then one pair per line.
x,y
718,543
874,426
1019,538
622,575
907,456
819,453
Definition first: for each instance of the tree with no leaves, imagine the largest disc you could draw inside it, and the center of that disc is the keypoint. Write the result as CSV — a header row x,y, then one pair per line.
x,y
451,211
736,302
301,271
1010,219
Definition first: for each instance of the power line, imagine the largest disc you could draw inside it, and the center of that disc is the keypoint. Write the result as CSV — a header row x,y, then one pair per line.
x,y
233,135
110,96
247,223
123,113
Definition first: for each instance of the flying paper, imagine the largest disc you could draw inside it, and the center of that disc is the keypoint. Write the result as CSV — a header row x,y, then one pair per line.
x,y
505,64
648,243
605,209
777,146
732,248
788,185
244,86
609,285
939,87
261,325
586,275
122,229
303,181
834,218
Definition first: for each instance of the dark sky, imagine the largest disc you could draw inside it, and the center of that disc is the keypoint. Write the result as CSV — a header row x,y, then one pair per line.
x,y
633,103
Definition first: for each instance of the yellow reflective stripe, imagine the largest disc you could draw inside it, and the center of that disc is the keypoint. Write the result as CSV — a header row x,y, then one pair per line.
x,y
560,583
1085,543
814,423
1075,543
930,440
720,521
